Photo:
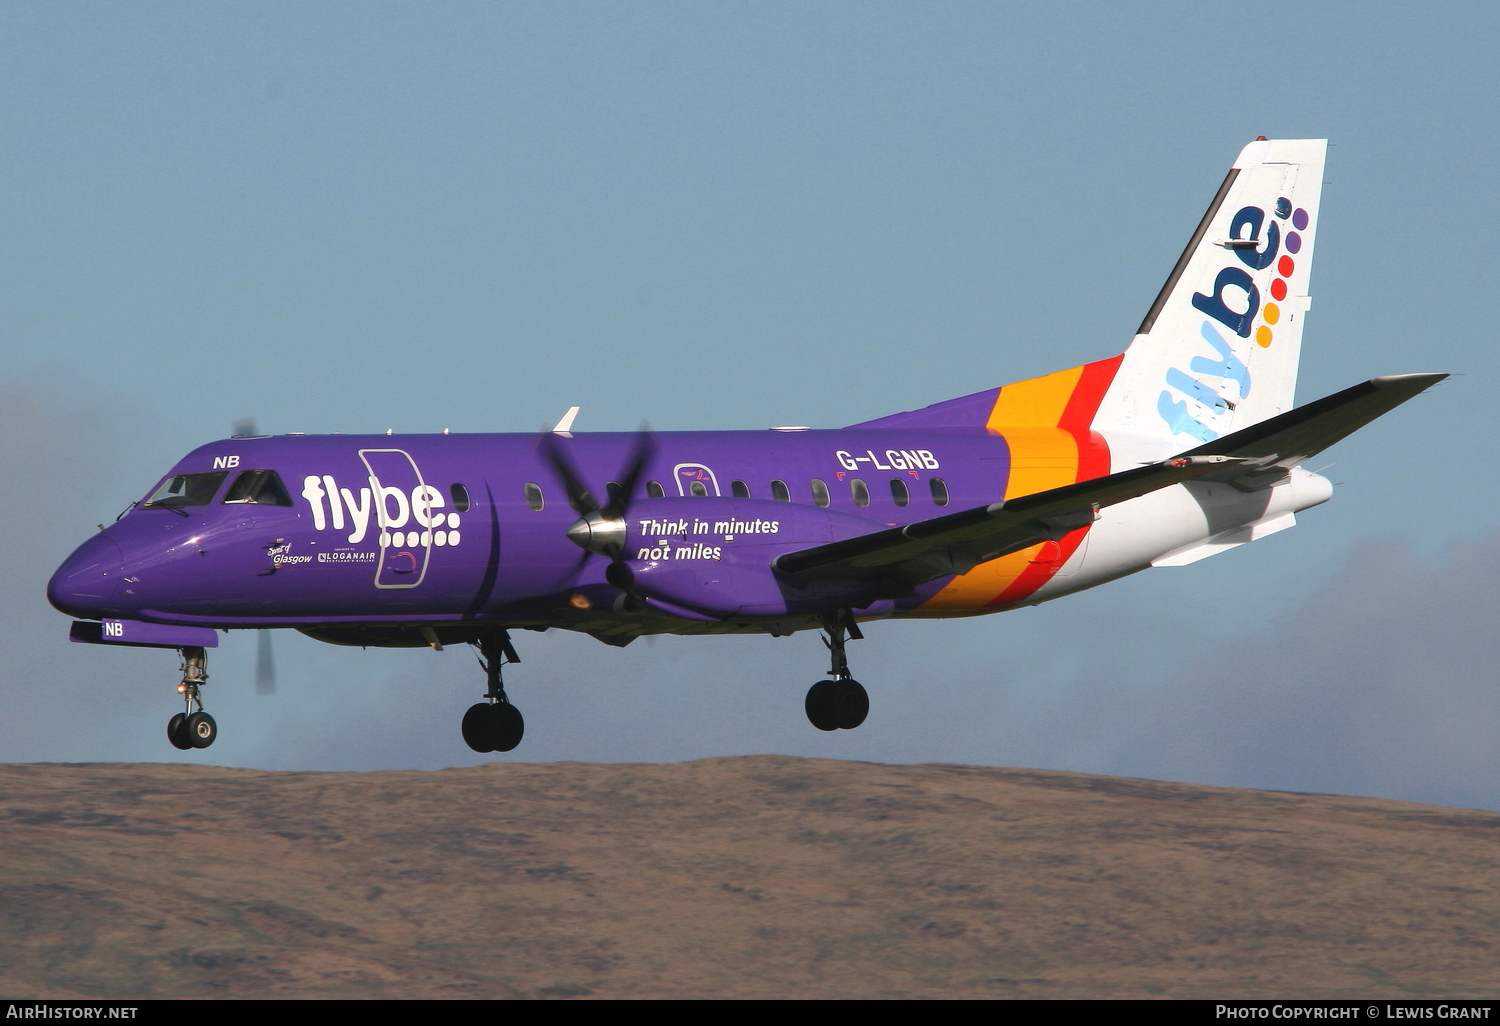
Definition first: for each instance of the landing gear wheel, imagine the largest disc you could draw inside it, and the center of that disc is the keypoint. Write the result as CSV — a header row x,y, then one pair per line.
x,y
851,704
822,710
200,729
496,727
837,704
476,728
177,732
508,726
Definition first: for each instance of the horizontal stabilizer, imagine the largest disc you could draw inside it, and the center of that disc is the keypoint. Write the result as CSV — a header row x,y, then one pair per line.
x,y
1273,446
958,542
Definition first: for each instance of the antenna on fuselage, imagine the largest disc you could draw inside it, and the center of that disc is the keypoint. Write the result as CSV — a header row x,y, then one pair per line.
x,y
565,426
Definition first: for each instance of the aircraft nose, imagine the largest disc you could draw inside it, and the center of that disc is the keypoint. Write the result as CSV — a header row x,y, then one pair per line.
x,y
85,584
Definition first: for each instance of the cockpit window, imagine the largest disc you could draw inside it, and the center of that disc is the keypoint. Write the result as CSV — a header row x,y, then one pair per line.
x,y
261,487
186,490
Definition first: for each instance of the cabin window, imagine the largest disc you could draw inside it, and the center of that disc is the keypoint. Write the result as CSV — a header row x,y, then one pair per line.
x,y
780,492
899,495
460,496
939,490
698,488
820,492
534,496
261,487
186,490
860,491
654,490
739,489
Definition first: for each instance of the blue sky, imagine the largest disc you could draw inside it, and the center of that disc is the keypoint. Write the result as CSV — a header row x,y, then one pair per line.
x,y
345,217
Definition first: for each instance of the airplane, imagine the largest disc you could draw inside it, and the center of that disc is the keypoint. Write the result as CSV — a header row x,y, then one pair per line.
x,y
1184,446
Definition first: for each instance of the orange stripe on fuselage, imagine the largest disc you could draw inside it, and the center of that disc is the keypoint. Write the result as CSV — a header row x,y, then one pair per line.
x,y
1046,423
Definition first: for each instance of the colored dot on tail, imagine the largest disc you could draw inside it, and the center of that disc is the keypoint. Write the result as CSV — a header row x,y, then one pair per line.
x,y
1278,289
1300,219
1263,336
1293,242
1272,313
1285,266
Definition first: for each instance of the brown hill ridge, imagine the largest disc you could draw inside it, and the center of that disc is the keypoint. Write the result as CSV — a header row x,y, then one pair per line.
x,y
763,876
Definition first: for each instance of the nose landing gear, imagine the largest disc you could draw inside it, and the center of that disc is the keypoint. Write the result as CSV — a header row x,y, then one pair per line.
x,y
192,728
841,702
494,725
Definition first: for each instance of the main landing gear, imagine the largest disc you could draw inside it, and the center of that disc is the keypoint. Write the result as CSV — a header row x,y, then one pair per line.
x,y
494,725
192,728
839,703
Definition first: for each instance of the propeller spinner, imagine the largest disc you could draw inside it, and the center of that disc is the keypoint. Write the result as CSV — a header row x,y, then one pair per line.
x,y
600,529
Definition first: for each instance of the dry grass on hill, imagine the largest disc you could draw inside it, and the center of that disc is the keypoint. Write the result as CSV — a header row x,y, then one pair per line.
x,y
737,877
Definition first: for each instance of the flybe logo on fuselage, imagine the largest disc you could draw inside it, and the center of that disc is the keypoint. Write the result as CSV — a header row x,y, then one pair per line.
x,y
402,517
1237,284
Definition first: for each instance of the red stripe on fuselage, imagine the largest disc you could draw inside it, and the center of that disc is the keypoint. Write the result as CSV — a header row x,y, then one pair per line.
x,y
1093,461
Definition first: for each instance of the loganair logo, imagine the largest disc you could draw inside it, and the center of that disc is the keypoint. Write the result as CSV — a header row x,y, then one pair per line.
x,y
1235,304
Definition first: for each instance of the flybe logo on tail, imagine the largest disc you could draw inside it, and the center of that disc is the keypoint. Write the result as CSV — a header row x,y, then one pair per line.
x,y
1235,303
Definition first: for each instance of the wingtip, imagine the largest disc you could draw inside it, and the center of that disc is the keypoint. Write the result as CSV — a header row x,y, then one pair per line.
x,y
1393,380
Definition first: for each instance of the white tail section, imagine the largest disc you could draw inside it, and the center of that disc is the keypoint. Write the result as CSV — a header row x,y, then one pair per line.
x,y
1218,350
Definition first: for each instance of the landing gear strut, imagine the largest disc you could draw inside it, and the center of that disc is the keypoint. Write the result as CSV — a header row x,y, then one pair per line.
x,y
839,703
192,728
494,725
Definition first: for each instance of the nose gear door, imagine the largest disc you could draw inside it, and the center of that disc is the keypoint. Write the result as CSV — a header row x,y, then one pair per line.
x,y
402,512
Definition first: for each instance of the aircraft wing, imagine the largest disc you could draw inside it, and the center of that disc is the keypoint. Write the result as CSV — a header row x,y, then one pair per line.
x,y
1255,457
958,542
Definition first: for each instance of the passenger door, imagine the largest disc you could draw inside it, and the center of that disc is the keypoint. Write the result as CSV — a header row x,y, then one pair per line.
x,y
396,487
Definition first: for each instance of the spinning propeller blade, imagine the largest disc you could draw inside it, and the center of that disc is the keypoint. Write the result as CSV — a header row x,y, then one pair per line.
x,y
645,449
579,496
600,529
265,660
265,665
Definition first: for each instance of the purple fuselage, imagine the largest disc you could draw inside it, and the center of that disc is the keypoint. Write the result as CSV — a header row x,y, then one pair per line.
x,y
376,533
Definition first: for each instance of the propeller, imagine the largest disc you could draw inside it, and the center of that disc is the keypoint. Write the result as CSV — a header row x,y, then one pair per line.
x,y
265,659
600,529
265,665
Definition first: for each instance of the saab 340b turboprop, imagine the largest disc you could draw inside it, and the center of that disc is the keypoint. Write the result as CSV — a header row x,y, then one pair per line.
x,y
1184,446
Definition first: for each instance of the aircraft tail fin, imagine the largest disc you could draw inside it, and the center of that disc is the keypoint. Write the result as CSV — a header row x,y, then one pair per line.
x,y
1219,348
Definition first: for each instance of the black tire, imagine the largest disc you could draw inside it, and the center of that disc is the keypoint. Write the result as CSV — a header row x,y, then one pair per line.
x,y
200,729
177,732
478,728
509,727
822,712
851,704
